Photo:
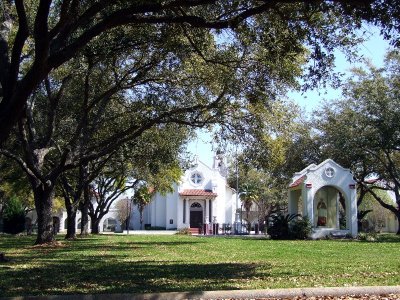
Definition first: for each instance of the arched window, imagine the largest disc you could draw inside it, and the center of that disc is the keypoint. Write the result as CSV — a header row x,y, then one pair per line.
x,y
330,172
195,205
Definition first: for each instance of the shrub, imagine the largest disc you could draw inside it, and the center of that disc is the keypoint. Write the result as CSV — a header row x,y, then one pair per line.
x,y
368,236
184,231
279,228
13,216
300,229
291,226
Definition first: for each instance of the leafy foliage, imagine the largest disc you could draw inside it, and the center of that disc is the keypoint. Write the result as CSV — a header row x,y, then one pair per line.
x,y
83,79
377,217
13,216
260,193
124,209
301,228
249,197
141,198
361,130
38,37
280,226
13,183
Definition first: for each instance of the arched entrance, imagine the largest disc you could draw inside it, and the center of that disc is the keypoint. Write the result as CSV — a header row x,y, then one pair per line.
x,y
196,215
329,208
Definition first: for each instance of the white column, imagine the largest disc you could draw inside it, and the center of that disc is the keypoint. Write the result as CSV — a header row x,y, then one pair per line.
x,y
309,204
182,212
187,213
337,211
353,212
211,210
291,203
206,212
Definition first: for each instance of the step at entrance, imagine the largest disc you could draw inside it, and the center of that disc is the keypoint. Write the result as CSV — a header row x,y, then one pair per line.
x,y
194,230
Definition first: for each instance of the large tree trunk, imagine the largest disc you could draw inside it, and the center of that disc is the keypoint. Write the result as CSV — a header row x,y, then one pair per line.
x,y
85,219
141,219
71,221
95,225
85,212
44,203
398,223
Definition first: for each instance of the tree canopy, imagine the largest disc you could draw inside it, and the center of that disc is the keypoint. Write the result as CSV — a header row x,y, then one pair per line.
x,y
361,130
39,36
81,79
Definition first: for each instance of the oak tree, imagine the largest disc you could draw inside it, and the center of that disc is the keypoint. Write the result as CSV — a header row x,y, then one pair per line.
x,y
361,130
39,36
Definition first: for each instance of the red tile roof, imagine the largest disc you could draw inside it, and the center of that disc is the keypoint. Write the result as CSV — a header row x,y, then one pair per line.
x,y
298,181
195,192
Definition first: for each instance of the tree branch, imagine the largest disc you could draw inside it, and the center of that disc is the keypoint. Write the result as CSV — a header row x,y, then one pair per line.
x,y
24,166
41,33
383,203
20,38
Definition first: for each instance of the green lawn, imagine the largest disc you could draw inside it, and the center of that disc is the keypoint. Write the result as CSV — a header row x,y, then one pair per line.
x,y
137,264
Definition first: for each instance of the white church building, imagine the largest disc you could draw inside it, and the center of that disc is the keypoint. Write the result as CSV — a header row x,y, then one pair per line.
x,y
201,197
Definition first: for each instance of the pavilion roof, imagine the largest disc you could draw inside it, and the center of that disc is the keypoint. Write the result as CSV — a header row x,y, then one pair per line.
x,y
298,181
197,192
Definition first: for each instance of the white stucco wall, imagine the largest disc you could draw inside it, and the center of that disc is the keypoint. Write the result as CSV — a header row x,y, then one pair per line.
x,y
171,207
314,179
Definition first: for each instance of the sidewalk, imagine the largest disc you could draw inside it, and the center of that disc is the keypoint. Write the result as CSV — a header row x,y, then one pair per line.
x,y
237,294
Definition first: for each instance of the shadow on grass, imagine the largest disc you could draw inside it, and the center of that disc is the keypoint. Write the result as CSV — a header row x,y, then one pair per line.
x,y
10,241
83,244
382,238
389,238
113,276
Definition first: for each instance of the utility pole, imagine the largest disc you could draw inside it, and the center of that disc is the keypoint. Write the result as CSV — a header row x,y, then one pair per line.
x,y
128,215
237,218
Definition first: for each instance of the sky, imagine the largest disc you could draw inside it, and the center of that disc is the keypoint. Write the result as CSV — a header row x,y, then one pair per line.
x,y
373,49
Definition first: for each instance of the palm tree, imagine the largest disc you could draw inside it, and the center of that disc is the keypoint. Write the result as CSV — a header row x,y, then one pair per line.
x,y
248,196
141,198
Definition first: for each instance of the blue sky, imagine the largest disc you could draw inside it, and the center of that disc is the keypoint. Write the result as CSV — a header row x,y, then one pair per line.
x,y
373,49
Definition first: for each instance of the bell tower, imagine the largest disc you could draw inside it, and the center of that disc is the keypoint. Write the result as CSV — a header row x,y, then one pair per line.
x,y
219,163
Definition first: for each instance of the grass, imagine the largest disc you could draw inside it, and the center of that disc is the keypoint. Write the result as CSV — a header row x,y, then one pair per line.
x,y
139,264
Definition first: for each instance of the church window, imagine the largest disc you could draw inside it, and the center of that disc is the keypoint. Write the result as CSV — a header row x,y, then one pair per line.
x,y
196,205
196,178
329,172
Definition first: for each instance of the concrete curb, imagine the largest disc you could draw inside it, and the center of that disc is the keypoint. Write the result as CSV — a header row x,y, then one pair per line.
x,y
236,294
